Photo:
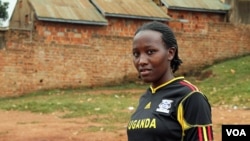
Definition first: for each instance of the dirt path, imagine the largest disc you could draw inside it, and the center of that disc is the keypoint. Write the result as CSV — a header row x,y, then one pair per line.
x,y
25,126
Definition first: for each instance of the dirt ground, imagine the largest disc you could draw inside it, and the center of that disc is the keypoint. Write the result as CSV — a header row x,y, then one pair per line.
x,y
26,126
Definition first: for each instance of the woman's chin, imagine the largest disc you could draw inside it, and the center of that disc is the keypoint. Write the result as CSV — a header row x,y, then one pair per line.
x,y
146,80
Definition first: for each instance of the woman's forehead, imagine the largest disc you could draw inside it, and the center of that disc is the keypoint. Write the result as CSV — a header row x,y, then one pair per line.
x,y
148,34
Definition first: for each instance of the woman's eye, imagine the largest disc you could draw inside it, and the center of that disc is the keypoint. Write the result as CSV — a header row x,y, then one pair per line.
x,y
135,54
149,52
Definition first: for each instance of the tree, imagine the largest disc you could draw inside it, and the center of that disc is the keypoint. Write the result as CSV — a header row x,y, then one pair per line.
x,y
3,10
3,16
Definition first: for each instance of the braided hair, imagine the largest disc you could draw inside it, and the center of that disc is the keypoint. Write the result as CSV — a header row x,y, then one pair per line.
x,y
168,38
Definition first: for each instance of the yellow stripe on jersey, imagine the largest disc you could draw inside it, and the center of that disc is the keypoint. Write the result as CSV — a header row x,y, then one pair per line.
x,y
204,133
180,115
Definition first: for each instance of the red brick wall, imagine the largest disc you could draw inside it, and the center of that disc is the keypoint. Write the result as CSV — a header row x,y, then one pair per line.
x,y
81,35
222,41
197,21
66,55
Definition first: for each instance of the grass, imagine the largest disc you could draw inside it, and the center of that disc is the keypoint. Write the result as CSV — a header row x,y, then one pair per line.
x,y
80,103
228,85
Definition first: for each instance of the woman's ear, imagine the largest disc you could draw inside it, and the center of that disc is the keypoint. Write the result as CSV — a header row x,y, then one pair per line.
x,y
171,53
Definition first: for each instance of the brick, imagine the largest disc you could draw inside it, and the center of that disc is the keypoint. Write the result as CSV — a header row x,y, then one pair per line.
x,y
96,55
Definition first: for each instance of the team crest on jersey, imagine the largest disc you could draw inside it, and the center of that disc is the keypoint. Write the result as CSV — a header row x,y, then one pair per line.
x,y
165,106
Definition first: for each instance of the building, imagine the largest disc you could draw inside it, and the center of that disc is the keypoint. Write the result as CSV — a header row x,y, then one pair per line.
x,y
239,14
60,43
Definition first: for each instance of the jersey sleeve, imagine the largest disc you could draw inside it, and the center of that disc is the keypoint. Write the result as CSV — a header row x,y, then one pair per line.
x,y
198,118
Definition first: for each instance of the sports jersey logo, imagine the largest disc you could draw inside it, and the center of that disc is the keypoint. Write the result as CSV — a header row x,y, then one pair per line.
x,y
164,106
148,106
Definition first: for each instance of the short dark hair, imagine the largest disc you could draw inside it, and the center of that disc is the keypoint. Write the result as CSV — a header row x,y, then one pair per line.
x,y
168,38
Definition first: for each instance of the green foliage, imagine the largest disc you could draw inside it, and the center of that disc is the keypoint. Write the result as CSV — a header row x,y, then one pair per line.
x,y
3,10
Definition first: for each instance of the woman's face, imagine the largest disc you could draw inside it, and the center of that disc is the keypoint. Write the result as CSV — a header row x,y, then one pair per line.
x,y
151,57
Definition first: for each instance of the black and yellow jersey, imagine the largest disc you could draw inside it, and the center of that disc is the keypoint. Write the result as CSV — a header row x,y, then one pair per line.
x,y
174,111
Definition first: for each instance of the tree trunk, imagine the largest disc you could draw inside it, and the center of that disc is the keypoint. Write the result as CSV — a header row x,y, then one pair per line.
x,y
2,40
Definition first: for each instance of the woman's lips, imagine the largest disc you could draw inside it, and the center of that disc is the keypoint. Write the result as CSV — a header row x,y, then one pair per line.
x,y
145,72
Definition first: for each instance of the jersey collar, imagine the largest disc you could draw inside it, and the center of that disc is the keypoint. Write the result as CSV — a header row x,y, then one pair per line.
x,y
164,84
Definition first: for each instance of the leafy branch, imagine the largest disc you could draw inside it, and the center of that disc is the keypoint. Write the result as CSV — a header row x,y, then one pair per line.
x,y
3,10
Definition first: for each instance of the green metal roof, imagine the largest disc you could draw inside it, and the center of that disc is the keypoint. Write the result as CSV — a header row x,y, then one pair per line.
x,y
69,11
138,9
197,5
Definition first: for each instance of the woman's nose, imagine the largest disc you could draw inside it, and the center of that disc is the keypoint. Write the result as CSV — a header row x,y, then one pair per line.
x,y
143,60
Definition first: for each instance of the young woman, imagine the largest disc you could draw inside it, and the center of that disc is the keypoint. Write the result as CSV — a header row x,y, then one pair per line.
x,y
172,109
